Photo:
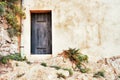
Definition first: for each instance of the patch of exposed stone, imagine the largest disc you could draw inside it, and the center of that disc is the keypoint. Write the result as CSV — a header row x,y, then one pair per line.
x,y
5,68
113,62
35,71
7,45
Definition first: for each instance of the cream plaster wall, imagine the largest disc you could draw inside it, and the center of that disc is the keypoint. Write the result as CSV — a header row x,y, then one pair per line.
x,y
91,25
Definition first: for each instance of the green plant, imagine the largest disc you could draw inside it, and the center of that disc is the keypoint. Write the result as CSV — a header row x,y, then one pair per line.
x,y
10,10
60,75
4,60
71,54
82,69
28,62
2,8
16,56
99,74
83,58
118,76
20,75
69,70
73,51
77,58
56,67
16,64
44,64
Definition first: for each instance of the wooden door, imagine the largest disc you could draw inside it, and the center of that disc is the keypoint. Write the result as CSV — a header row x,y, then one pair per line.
x,y
41,38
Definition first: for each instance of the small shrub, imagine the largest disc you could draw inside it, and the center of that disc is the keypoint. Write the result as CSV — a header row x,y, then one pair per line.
x,y
44,64
75,56
72,54
99,74
60,75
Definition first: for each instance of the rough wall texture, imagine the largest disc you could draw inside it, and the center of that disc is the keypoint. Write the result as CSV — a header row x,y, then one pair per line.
x,y
7,45
22,71
91,25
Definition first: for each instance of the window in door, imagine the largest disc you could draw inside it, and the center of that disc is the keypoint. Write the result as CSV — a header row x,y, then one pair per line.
x,y
41,32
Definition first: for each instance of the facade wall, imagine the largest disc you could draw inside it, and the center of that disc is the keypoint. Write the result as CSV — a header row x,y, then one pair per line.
x,y
91,25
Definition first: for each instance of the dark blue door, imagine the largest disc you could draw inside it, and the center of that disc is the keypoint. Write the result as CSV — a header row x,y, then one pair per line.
x,y
41,37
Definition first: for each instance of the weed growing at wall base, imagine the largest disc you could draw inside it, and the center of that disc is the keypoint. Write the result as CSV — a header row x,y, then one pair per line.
x,y
76,58
16,56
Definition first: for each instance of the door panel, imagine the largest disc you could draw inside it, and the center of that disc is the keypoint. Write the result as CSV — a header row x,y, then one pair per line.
x,y
41,41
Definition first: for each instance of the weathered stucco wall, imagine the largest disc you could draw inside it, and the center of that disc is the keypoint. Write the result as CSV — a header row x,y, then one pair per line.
x,y
91,25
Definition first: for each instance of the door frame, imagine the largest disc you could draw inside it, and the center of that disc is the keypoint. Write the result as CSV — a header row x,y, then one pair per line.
x,y
49,27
